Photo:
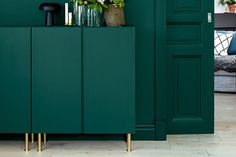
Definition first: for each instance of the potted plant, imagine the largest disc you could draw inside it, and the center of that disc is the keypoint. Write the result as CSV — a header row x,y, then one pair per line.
x,y
114,13
89,12
230,3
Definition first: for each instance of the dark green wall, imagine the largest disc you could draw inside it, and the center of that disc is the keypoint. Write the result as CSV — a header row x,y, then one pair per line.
x,y
143,17
25,12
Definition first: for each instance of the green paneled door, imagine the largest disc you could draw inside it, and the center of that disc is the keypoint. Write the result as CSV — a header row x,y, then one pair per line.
x,y
56,76
189,54
109,80
15,80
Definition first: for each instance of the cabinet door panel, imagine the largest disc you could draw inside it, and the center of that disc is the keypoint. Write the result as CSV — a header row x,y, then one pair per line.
x,y
109,80
14,80
56,80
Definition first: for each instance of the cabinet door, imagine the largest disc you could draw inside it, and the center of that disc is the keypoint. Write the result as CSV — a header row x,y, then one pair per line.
x,y
109,80
56,80
15,80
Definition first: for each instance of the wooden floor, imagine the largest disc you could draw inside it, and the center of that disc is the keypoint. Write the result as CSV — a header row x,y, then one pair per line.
x,y
221,144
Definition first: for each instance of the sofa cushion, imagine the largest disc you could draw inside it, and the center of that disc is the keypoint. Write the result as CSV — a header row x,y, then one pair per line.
x,y
232,46
222,41
226,63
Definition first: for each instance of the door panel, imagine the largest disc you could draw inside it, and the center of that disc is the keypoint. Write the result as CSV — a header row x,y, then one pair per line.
x,y
187,6
191,35
15,80
109,80
190,66
56,80
187,98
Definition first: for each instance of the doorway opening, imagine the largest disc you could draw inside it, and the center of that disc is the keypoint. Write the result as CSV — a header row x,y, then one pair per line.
x,y
225,68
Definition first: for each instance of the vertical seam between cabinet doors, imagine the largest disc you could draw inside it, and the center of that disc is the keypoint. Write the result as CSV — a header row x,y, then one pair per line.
x,y
31,80
155,69
82,78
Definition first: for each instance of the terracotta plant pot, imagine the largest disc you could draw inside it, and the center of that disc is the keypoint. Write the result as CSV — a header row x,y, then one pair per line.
x,y
231,8
114,16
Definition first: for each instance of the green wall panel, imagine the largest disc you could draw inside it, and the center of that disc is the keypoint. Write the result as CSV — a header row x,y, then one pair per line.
x,y
56,80
15,80
143,18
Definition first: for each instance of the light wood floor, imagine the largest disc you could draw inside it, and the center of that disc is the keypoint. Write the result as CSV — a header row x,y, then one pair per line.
x,y
221,144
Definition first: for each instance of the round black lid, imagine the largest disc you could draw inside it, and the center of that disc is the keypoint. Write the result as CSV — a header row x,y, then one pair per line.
x,y
50,7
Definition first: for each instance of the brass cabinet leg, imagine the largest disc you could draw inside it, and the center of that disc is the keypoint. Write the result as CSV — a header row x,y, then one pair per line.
x,y
44,138
32,138
129,143
39,143
26,142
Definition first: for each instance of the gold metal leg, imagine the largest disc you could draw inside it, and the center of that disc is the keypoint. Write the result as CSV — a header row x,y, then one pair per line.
x,y
129,143
44,138
32,138
39,143
26,142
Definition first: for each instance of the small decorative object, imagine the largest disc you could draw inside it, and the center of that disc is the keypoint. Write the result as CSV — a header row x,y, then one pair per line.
x,y
66,14
230,3
80,12
50,9
70,19
94,18
114,14
89,12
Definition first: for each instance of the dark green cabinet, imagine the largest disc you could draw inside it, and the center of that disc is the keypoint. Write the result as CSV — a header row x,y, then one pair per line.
x,y
15,97
109,80
81,86
56,80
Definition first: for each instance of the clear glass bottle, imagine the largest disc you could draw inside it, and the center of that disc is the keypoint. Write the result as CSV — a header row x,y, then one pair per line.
x,y
94,18
86,16
80,12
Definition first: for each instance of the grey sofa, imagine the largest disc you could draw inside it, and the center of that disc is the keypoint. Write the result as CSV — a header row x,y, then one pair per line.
x,y
225,73
225,66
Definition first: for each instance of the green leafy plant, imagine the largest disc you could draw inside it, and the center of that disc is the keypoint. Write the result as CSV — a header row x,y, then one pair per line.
x,y
97,5
118,3
228,2
79,2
